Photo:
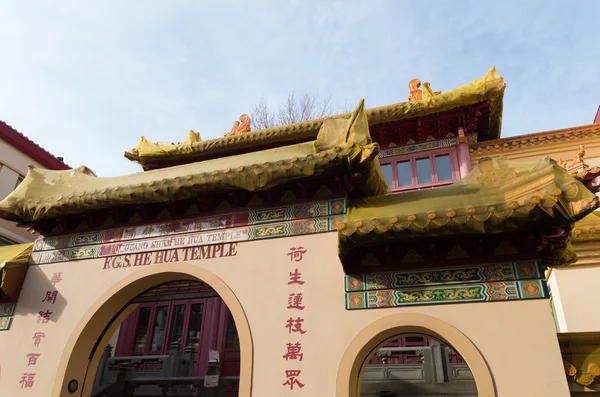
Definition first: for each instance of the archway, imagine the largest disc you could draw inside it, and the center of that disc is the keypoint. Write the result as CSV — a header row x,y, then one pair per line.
x,y
85,346
367,341
414,365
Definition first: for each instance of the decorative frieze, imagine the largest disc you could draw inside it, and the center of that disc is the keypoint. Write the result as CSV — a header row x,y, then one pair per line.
x,y
253,232
475,283
256,217
479,292
456,275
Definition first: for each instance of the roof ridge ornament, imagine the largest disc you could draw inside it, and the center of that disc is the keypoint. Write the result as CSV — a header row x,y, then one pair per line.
x,y
416,94
240,127
577,164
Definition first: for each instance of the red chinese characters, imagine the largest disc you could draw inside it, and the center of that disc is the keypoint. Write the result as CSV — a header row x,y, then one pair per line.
x,y
37,338
292,378
295,301
294,351
50,296
296,254
27,380
295,325
56,278
32,358
43,317
295,278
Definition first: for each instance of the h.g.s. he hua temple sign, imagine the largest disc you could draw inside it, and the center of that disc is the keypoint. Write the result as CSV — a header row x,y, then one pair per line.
x,y
172,255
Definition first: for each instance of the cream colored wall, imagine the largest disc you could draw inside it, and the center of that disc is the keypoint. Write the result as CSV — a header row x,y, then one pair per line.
x,y
574,288
13,163
577,288
517,339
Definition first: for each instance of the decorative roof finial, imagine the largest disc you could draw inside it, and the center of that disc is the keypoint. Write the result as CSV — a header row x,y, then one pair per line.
x,y
416,94
578,164
240,128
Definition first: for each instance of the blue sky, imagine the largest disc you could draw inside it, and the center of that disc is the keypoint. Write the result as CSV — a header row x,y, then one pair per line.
x,y
85,80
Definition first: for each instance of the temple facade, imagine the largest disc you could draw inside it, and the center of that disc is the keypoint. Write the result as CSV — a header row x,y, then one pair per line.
x,y
405,250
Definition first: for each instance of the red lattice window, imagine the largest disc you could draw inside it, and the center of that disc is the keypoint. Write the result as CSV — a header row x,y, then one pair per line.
x,y
421,170
159,324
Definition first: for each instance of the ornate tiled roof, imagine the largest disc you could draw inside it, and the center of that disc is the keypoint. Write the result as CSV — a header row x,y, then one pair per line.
x,y
489,88
342,146
13,266
498,196
587,229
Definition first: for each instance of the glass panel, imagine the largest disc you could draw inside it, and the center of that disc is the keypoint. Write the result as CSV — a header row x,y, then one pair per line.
x,y
177,324
232,340
424,170
404,173
141,331
160,325
444,167
387,172
195,325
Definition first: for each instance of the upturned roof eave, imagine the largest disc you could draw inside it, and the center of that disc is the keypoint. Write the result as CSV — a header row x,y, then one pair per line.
x,y
544,198
344,147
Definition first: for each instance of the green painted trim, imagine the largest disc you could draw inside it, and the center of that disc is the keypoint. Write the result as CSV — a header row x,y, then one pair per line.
x,y
479,292
521,270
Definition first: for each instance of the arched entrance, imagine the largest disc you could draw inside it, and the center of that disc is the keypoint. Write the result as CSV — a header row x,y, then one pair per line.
x,y
361,349
414,365
85,347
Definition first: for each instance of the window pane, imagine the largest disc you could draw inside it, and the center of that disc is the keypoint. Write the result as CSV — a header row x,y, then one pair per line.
x,y
232,340
387,172
444,167
177,324
160,325
195,325
424,170
404,173
141,331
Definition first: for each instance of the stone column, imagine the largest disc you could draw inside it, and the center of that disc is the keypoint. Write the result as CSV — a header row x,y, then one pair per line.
x,y
102,371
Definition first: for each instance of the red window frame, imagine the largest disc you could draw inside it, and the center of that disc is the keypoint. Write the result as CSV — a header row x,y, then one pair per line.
x,y
413,157
169,318
212,333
